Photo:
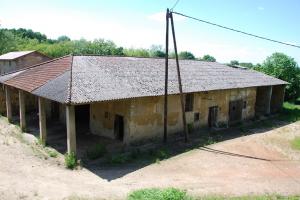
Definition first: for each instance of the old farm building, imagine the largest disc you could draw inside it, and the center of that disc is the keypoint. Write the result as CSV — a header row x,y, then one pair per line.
x,y
13,61
122,97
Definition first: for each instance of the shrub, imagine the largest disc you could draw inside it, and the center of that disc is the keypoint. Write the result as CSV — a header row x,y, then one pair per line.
x,y
158,194
70,160
96,151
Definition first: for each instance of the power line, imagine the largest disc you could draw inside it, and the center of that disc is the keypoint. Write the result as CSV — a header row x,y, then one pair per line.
x,y
235,30
175,4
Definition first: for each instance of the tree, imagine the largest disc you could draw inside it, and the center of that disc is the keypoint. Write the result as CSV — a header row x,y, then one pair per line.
x,y
156,51
208,58
7,41
63,38
186,55
248,65
285,68
234,62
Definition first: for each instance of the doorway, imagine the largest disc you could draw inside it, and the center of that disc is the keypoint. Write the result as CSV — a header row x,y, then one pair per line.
x,y
213,116
82,118
235,111
119,127
54,111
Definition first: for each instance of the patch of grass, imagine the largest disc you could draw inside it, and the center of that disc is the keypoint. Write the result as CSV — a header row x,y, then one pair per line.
x,y
70,160
158,194
51,153
119,159
96,151
296,143
290,112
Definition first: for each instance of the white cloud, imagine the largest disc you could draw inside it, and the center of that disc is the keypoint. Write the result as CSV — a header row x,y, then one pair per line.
x,y
161,17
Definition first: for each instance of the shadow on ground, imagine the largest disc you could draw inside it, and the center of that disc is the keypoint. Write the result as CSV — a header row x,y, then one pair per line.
x,y
120,161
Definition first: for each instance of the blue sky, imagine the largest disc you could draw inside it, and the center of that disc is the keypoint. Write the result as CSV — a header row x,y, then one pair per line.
x,y
140,23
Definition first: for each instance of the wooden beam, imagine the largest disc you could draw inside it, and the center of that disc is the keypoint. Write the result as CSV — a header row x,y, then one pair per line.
x,y
166,79
179,80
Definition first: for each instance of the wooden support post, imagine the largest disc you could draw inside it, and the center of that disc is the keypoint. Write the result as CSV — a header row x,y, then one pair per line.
x,y
22,110
8,103
179,80
71,129
42,121
166,79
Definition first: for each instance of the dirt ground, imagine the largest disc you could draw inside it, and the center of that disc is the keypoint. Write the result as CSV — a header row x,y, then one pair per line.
x,y
256,164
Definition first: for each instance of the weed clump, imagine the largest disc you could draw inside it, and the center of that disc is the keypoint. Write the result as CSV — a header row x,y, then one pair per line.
x,y
70,160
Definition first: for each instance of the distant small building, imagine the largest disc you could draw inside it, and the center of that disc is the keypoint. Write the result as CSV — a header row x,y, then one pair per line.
x,y
13,61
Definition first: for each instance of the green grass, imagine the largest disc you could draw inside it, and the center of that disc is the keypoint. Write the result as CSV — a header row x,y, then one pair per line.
x,y
51,153
177,194
290,112
158,194
296,143
96,151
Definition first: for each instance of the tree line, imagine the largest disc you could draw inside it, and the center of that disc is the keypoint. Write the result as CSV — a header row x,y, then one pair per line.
x,y
278,65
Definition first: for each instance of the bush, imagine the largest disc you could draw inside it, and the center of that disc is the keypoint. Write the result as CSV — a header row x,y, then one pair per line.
x,y
70,160
96,151
158,194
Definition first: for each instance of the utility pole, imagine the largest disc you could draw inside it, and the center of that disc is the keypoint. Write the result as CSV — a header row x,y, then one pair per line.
x,y
166,79
179,80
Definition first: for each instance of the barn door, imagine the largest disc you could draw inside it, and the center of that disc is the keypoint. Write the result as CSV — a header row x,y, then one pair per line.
x,y
235,111
213,116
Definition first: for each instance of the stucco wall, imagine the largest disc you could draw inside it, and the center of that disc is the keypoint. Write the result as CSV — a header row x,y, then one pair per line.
x,y
144,116
102,117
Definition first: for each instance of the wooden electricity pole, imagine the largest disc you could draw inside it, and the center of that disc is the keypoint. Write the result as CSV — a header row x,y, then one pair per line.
x,y
166,78
179,80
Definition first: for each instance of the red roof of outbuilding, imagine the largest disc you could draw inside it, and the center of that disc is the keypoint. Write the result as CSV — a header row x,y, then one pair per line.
x,y
36,76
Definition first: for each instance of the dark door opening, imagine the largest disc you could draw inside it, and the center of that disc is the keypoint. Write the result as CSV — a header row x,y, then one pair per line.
x,y
54,111
82,118
235,111
213,116
119,127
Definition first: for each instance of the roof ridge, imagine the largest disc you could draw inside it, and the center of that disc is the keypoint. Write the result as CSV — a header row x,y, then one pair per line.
x,y
35,65
69,98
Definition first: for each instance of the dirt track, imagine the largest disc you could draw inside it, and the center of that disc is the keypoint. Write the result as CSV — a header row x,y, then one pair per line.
x,y
255,164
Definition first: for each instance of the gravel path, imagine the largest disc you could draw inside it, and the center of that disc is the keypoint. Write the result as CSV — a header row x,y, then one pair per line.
x,y
255,164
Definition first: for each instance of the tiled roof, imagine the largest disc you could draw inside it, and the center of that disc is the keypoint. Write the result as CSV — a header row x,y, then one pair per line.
x,y
99,78
35,77
14,55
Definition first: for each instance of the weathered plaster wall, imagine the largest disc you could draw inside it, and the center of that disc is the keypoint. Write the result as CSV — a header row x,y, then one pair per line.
x,y
144,116
263,100
102,116
277,98
147,113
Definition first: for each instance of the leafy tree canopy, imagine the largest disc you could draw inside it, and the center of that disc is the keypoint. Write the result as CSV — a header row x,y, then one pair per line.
x,y
285,68
186,55
208,58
